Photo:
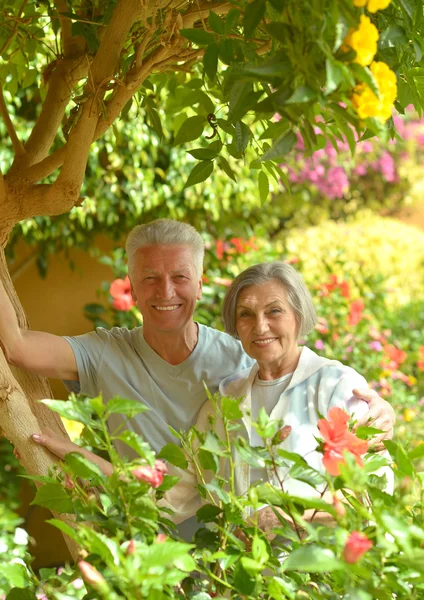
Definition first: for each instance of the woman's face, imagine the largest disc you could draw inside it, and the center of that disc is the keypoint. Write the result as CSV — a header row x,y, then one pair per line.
x,y
266,323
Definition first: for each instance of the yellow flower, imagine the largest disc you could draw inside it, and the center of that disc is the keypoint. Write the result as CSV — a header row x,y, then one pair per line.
x,y
375,5
363,41
73,428
409,414
366,102
372,5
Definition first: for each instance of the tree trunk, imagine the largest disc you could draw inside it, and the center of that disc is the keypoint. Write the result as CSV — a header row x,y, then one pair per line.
x,y
20,413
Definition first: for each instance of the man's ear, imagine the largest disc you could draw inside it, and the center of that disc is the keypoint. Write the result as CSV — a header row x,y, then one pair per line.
x,y
199,291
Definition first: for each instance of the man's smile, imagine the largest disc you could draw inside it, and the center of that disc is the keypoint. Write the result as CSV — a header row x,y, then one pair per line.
x,y
167,308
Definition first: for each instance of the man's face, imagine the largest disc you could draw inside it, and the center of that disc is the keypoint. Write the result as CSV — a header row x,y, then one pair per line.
x,y
165,286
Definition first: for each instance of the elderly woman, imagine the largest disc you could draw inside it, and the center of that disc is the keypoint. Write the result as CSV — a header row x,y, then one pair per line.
x,y
269,308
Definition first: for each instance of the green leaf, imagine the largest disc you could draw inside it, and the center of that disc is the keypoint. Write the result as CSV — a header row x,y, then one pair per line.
x,y
239,95
204,153
154,120
21,594
168,482
190,130
232,20
392,36
365,432
208,461
242,136
263,183
70,409
208,513
336,73
216,23
307,475
312,559
242,581
198,36
281,146
213,444
54,497
253,14
126,407
302,94
230,409
199,173
417,452
210,60
65,528
173,454
223,163
103,546
82,467
136,442
15,573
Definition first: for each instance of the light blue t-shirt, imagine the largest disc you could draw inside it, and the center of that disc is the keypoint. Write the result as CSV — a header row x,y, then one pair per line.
x,y
119,362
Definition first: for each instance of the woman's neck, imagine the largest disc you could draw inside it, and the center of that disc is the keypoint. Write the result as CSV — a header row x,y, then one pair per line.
x,y
279,368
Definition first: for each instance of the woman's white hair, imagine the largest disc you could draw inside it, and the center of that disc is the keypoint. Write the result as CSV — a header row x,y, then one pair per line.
x,y
166,232
298,295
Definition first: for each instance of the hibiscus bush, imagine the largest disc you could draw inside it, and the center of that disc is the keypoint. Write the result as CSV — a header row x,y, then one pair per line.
x,y
128,546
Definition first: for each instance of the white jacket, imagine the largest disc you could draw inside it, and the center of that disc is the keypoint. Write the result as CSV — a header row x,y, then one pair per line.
x,y
316,385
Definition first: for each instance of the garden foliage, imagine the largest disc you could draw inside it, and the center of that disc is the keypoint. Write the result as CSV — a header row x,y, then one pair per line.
x,y
374,549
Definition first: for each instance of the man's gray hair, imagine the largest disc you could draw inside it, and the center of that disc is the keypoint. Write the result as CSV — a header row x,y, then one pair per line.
x,y
166,232
298,295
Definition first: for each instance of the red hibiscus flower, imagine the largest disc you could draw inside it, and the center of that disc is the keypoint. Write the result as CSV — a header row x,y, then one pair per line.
x,y
355,315
356,546
337,440
393,356
120,290
219,248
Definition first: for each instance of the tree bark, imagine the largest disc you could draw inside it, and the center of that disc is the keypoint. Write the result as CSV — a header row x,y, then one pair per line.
x,y
20,412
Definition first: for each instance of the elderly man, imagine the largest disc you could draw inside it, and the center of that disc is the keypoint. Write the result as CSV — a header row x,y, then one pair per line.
x,y
164,363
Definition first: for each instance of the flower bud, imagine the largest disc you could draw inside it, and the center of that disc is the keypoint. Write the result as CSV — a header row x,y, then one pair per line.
x,y
285,432
92,576
160,538
339,506
356,546
131,548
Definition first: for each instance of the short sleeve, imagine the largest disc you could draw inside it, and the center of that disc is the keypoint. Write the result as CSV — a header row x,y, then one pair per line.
x,y
88,350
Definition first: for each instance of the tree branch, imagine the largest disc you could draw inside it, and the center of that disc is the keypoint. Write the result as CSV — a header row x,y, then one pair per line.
x,y
104,65
66,74
16,143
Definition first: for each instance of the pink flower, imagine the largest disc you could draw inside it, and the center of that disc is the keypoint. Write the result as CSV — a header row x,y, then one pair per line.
x,y
131,548
319,345
160,538
335,184
376,345
120,290
77,583
356,546
151,475
387,167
